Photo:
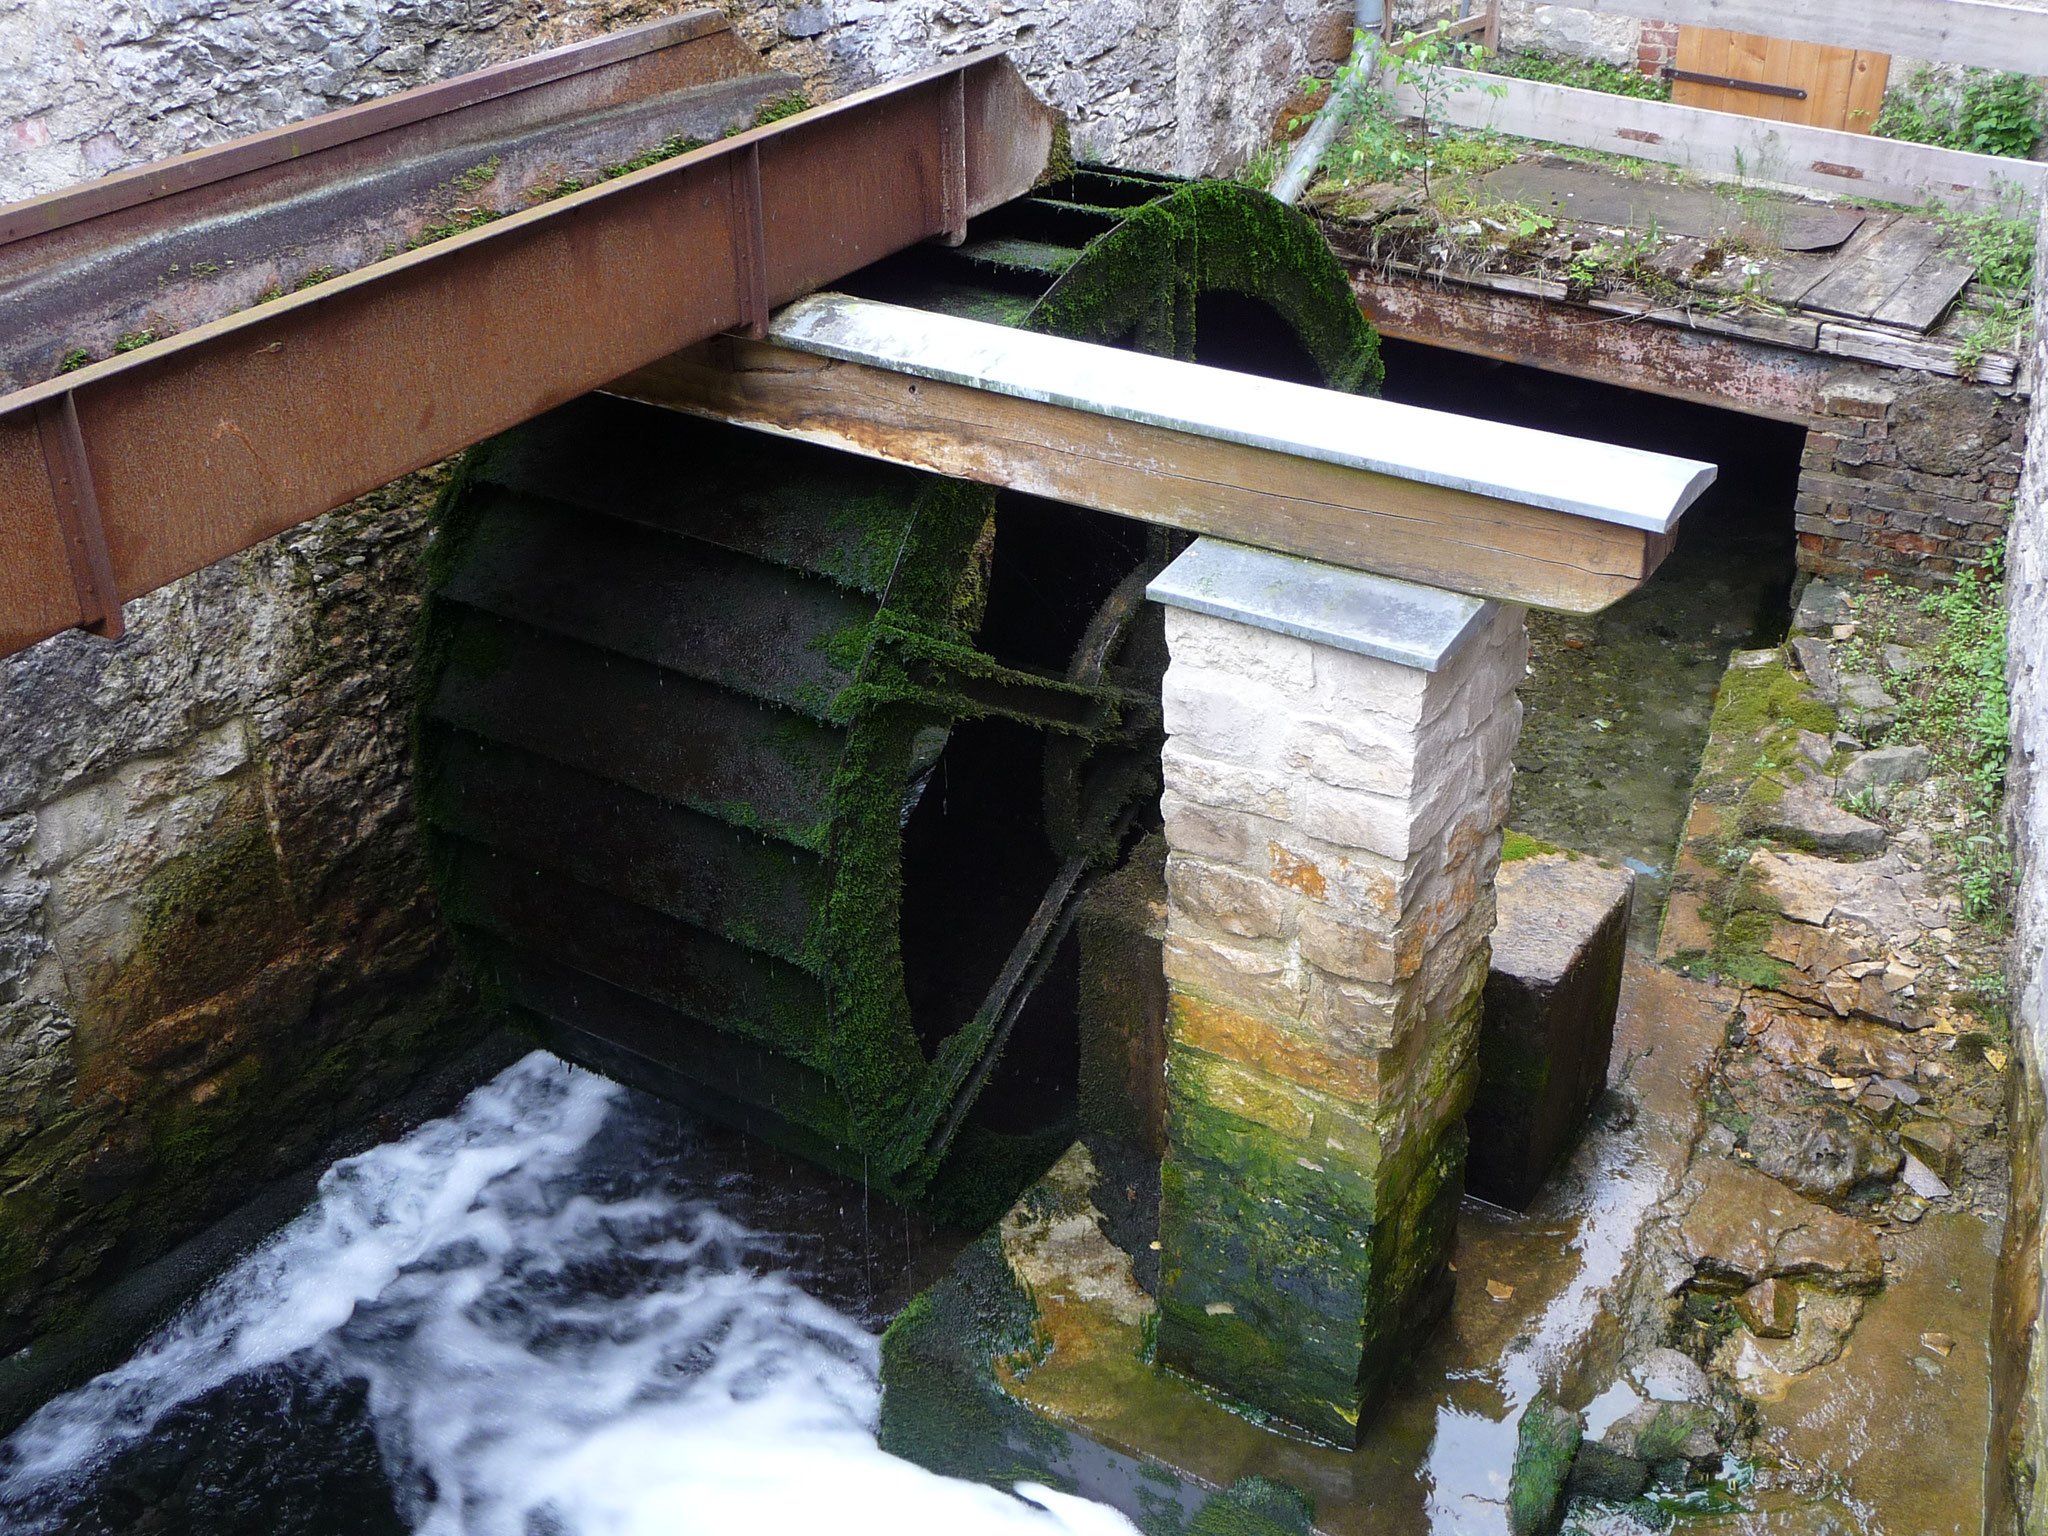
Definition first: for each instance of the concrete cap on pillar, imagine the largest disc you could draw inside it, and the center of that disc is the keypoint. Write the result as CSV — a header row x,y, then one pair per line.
x,y
1397,621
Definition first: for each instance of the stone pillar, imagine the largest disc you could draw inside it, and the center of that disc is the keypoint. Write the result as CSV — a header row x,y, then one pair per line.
x,y
1337,775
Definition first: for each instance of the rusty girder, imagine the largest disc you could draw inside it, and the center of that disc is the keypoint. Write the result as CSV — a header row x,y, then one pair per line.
x,y
131,472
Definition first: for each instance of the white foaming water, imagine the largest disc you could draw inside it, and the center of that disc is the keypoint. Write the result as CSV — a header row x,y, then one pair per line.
x,y
550,1350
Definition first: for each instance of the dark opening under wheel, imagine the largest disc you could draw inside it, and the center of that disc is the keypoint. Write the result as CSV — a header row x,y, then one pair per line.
x,y
764,776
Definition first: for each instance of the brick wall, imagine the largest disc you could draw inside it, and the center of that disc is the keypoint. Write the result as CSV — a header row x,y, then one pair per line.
x,y
1906,474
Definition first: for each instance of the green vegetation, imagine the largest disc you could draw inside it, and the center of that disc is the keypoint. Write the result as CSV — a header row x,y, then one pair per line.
x,y
776,108
1958,710
1520,845
74,360
1981,111
1583,74
135,340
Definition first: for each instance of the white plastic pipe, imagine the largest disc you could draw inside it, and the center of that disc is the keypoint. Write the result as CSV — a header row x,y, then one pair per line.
x,y
1308,154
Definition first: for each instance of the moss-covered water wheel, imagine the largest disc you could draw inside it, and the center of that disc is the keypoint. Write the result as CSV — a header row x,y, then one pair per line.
x,y
764,776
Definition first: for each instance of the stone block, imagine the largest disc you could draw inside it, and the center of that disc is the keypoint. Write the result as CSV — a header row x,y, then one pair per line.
x,y
1548,1022
1206,831
1222,716
1807,821
1229,900
1259,655
1226,786
1821,606
1263,977
1354,950
1886,765
1362,753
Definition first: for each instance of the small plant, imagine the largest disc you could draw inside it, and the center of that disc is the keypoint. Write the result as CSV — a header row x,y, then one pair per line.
x,y
477,177
135,340
1983,111
74,360
315,278
1584,74
776,108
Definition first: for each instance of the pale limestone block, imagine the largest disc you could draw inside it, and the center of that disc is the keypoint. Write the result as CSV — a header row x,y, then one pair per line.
x,y
1206,831
1242,650
1222,716
1364,752
1356,882
1255,977
1231,900
1356,1016
1355,818
1354,950
1226,786
1348,683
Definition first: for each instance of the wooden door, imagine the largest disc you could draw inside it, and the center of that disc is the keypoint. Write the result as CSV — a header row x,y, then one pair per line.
x,y
1843,87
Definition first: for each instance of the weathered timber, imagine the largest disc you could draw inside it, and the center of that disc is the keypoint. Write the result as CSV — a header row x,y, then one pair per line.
x,y
210,441
1088,454
1979,32
1720,144
1710,369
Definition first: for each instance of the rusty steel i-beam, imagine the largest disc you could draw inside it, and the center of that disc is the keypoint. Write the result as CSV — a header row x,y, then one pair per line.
x,y
132,472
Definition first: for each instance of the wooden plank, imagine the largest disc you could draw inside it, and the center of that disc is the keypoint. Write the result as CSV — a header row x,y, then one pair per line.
x,y
1719,144
1984,33
1826,74
1256,496
1867,279
1590,194
1866,90
1925,296
1755,377
1894,350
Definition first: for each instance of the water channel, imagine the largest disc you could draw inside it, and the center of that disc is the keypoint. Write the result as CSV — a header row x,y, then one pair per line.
x,y
567,1309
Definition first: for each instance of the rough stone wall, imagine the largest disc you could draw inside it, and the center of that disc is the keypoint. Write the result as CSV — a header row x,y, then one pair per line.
x,y
2019,1489
1334,824
94,86
1906,474
1193,86
216,948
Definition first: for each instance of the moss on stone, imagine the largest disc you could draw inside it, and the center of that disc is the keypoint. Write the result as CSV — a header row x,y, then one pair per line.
x,y
1545,1444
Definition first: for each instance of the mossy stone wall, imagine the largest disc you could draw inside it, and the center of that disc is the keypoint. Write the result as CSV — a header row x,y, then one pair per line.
x,y
216,949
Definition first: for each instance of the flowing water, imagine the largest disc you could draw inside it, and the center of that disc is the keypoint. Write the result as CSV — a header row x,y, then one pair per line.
x,y
564,1310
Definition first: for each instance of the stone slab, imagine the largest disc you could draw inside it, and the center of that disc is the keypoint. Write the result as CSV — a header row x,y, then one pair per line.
x,y
1548,1024
1397,621
1624,486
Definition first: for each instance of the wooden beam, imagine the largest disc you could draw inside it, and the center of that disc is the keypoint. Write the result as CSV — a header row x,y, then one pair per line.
x,y
1979,32
1727,147
1524,516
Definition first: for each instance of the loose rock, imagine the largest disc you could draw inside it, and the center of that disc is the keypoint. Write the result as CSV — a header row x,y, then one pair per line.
x,y
1744,1226
1769,1309
1821,606
1820,1152
1806,820
1886,765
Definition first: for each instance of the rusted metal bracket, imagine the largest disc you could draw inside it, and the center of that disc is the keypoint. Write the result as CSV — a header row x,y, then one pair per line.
x,y
235,430
749,242
953,162
78,515
1731,83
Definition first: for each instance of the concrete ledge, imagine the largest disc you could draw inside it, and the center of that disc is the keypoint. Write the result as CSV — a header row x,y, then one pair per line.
x,y
1397,621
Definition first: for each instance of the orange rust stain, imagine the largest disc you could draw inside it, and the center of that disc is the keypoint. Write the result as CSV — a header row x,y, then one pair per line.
x,y
1295,872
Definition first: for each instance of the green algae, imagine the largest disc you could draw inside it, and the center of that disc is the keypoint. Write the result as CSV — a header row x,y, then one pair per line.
x,y
1545,1443
1137,285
